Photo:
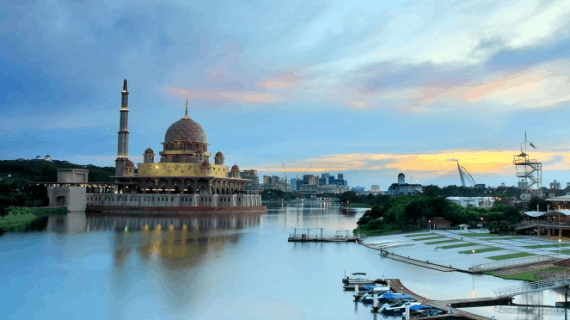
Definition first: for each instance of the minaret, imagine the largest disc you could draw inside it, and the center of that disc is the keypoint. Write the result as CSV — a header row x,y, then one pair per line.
x,y
123,143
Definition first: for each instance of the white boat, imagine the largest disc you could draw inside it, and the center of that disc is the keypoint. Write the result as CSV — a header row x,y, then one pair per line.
x,y
397,308
358,278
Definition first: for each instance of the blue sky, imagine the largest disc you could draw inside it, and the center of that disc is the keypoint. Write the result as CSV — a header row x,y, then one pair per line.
x,y
365,88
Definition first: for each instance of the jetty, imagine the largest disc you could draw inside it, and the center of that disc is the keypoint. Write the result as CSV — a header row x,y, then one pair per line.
x,y
449,307
304,235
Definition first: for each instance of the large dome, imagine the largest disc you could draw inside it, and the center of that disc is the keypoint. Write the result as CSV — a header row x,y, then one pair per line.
x,y
185,130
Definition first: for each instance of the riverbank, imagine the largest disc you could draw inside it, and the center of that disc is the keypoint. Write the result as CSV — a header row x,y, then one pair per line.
x,y
524,258
28,218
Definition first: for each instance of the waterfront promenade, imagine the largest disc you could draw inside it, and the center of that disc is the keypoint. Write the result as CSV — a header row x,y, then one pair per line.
x,y
446,250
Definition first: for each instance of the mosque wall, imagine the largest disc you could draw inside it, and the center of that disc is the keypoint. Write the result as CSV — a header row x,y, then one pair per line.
x,y
180,170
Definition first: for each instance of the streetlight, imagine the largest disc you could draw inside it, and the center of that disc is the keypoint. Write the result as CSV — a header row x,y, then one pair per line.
x,y
559,246
429,225
472,257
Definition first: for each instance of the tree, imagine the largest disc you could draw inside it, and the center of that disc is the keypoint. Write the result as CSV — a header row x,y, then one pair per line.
x,y
348,196
536,201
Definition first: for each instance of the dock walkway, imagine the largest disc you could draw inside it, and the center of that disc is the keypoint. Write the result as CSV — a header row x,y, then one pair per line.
x,y
450,306
425,264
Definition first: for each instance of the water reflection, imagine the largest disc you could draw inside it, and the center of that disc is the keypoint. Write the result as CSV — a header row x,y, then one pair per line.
x,y
218,267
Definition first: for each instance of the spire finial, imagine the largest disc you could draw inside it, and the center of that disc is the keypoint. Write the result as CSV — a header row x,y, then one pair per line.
x,y
186,113
125,85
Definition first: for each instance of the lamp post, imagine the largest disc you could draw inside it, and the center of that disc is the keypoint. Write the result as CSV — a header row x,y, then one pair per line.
x,y
559,246
429,225
472,257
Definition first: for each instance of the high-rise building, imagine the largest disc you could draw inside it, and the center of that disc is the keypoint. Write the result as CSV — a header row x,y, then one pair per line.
x,y
325,178
251,175
555,185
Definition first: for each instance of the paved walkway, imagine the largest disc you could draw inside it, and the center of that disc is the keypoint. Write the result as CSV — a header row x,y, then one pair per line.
x,y
425,264
494,243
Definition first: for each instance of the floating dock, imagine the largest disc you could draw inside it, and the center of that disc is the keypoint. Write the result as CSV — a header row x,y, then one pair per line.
x,y
304,235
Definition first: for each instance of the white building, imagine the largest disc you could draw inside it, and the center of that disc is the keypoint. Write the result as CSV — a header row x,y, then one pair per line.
x,y
478,202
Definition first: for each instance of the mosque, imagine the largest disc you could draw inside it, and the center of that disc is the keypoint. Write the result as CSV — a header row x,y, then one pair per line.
x,y
183,179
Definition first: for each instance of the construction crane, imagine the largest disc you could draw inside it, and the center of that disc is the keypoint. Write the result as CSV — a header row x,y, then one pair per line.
x,y
286,182
464,174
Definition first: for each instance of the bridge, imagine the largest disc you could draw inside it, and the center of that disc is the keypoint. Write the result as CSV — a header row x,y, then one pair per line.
x,y
533,287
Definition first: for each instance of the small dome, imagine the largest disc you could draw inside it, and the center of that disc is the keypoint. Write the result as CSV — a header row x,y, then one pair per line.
x,y
206,163
235,168
148,151
129,164
219,154
401,175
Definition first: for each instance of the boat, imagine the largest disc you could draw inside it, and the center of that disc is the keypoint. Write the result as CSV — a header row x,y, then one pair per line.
x,y
394,297
397,308
358,278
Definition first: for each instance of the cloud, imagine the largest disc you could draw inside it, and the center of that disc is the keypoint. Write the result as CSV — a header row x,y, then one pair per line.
x,y
242,97
476,162
278,82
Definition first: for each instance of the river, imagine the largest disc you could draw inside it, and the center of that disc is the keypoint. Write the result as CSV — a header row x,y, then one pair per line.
x,y
87,267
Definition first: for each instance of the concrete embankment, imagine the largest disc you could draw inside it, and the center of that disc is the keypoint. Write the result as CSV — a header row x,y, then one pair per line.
x,y
425,264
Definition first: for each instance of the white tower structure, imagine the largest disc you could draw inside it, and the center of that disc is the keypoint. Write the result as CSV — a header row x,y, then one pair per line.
x,y
529,173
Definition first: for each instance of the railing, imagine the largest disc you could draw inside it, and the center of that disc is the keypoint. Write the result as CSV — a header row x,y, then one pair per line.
x,y
512,262
534,310
532,287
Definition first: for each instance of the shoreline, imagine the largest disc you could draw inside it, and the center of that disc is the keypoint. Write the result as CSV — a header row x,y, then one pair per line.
x,y
478,253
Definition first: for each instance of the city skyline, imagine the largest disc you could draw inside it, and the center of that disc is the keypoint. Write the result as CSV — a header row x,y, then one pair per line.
x,y
369,90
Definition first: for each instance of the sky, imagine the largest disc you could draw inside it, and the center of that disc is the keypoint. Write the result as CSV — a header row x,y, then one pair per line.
x,y
369,89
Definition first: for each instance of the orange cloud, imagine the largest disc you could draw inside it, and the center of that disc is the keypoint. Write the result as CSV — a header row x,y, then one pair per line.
x,y
226,95
278,82
488,162
517,83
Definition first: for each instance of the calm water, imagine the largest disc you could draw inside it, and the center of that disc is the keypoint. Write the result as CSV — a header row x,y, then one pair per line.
x,y
229,268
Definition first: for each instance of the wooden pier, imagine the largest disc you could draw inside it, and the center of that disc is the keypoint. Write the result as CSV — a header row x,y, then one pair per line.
x,y
450,306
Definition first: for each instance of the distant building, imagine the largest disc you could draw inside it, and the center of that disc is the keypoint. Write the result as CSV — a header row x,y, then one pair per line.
x,y
47,158
375,187
324,178
293,183
358,190
403,188
479,186
502,184
311,180
555,185
253,184
339,181
273,183
478,202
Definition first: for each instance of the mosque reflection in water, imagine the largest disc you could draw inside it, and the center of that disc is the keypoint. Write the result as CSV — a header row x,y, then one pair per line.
x,y
174,241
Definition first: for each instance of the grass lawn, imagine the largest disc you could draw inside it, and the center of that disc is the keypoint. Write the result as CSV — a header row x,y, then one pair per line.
x,y
481,250
504,238
535,275
443,241
524,276
511,256
459,245
418,235
359,205
540,246
428,238
18,217
565,251
478,235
